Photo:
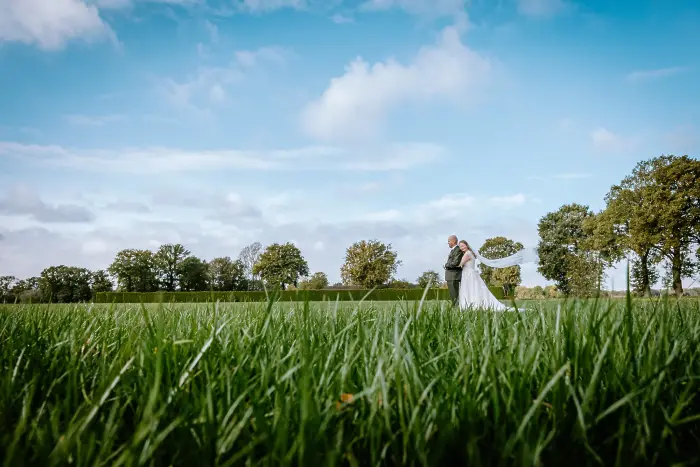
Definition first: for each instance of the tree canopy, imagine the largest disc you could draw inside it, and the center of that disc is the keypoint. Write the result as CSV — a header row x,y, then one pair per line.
x,y
281,265
369,264
508,278
563,253
318,281
429,277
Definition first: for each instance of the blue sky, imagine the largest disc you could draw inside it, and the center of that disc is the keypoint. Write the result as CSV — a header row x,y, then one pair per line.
x,y
130,123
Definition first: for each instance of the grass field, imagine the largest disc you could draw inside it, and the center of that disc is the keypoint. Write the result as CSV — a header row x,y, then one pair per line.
x,y
593,383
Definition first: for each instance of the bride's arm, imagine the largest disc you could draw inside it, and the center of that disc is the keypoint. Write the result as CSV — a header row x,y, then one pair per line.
x,y
465,258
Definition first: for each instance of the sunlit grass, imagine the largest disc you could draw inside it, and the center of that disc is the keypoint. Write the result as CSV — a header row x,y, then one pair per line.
x,y
349,383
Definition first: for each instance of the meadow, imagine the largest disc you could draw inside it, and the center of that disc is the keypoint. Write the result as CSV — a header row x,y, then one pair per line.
x,y
350,383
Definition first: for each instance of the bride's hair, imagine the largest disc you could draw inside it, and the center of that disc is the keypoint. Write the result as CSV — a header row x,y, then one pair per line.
x,y
468,247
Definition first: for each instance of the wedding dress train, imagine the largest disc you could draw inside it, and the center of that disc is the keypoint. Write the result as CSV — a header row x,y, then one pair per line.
x,y
473,291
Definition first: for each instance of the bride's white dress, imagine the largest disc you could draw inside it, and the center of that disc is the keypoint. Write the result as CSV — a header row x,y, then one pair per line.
x,y
473,291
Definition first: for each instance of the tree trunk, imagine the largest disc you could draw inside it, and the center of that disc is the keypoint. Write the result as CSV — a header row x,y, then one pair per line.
x,y
676,264
646,287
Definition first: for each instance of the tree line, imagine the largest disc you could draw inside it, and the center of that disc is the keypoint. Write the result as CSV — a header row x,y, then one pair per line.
x,y
172,267
652,217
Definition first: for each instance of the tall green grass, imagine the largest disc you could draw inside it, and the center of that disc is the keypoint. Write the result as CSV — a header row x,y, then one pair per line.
x,y
590,383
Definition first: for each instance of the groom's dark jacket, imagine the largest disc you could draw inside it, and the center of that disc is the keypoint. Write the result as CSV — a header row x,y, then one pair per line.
x,y
452,270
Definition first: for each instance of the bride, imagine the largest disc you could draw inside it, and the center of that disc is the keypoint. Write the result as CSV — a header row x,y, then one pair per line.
x,y
473,292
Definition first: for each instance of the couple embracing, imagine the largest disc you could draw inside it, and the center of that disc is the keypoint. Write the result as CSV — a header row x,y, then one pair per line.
x,y
467,288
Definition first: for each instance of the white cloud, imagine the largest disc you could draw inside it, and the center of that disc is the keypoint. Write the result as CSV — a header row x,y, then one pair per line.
x,y
92,120
223,223
257,6
127,206
605,140
23,201
161,160
50,24
262,56
124,4
451,208
542,8
213,31
428,9
209,84
649,75
339,18
355,104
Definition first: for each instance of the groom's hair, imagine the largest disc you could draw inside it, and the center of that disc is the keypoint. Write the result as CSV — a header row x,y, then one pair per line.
x,y
453,237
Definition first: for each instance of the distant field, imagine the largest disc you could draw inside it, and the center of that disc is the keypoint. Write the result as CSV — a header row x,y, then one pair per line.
x,y
350,383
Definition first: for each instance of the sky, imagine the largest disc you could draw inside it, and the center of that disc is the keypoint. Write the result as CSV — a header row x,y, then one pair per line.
x,y
217,123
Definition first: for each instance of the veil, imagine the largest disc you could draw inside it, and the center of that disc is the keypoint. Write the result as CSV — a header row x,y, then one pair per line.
x,y
526,255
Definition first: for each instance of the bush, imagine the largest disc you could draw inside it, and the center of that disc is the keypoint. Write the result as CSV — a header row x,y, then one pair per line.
x,y
377,295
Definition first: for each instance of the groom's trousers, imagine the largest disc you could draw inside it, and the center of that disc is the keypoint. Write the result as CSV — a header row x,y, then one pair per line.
x,y
453,287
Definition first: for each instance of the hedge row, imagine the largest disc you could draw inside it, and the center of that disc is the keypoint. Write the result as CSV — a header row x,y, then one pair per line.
x,y
376,295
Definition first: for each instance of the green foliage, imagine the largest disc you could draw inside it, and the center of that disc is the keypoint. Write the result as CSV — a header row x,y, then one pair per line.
x,y
673,189
101,282
628,225
6,285
65,284
564,254
400,284
369,264
193,274
537,293
352,384
429,277
26,291
134,270
285,295
281,265
496,248
317,281
168,262
225,274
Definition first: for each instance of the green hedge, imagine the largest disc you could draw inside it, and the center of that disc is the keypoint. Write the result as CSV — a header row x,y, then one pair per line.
x,y
286,295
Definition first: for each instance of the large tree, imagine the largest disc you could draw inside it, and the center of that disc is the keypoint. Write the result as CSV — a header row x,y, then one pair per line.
x,y
249,257
193,274
65,284
168,261
281,265
563,251
628,226
227,275
135,271
429,277
7,283
369,264
508,278
673,195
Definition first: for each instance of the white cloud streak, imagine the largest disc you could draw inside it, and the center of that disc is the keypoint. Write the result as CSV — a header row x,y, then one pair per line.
x,y
159,160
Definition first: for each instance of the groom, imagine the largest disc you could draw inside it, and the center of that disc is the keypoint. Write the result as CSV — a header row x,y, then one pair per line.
x,y
453,273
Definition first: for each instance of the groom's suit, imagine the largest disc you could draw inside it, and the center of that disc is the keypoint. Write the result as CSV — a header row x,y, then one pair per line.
x,y
453,273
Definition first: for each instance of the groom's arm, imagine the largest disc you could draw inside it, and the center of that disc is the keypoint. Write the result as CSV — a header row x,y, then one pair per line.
x,y
454,259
